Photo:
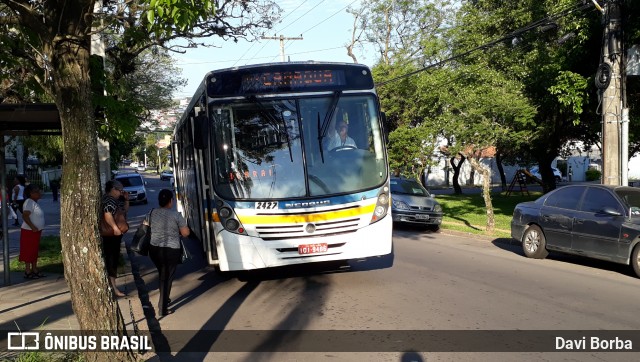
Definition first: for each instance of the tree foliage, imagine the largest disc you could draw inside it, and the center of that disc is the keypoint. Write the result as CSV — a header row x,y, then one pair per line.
x,y
552,69
402,31
410,150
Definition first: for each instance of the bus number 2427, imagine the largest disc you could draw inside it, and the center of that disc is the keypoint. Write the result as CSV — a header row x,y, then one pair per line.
x,y
266,205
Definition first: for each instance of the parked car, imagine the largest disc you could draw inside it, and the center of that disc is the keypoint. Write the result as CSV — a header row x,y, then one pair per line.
x,y
166,175
535,171
141,168
597,221
134,185
413,204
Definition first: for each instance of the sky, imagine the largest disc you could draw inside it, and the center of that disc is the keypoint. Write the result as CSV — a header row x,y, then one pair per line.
x,y
325,27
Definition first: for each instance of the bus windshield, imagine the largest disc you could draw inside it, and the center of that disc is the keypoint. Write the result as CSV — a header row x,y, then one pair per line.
x,y
285,148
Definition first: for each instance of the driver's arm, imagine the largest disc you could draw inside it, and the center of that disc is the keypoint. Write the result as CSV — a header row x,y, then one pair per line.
x,y
332,136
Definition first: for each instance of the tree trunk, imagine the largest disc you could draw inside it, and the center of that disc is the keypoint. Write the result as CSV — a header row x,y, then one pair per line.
x,y
456,172
546,174
486,192
472,176
92,299
503,177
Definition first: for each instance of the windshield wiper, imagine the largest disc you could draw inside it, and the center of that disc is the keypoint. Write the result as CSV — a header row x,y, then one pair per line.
x,y
322,130
274,122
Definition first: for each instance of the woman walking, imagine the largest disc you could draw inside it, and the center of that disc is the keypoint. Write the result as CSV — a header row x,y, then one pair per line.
x,y
167,226
30,232
113,201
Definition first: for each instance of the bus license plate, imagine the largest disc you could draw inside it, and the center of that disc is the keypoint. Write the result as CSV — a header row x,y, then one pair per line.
x,y
422,217
312,248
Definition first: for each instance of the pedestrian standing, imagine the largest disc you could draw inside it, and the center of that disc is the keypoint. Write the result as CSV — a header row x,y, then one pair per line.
x,y
55,186
113,202
30,232
167,226
570,173
18,195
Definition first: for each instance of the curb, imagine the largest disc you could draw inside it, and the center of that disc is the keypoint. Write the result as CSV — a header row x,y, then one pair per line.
x,y
479,236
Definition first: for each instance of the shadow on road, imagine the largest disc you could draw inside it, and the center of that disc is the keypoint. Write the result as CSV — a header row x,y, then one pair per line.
x,y
515,247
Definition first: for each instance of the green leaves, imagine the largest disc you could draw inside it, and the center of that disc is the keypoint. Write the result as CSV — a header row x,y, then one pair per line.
x,y
571,91
410,149
164,15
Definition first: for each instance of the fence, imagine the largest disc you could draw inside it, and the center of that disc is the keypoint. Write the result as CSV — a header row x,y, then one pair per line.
x,y
36,177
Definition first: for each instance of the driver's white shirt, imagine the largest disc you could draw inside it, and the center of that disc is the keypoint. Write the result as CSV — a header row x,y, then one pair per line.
x,y
335,142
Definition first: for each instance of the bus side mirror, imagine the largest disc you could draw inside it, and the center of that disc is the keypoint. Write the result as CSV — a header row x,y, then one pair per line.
x,y
385,126
200,132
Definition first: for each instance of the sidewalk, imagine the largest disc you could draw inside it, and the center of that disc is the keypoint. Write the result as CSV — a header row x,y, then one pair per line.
x,y
45,303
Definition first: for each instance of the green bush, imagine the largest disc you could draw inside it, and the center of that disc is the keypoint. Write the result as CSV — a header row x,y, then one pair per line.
x,y
593,175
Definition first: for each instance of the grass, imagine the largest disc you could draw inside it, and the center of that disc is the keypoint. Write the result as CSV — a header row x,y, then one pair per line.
x,y
467,212
36,356
50,257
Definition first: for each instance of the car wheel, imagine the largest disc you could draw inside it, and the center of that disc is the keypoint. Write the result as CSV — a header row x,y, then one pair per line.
x,y
534,243
558,179
635,259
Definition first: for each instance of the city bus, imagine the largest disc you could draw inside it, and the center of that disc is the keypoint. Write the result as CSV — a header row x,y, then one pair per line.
x,y
284,163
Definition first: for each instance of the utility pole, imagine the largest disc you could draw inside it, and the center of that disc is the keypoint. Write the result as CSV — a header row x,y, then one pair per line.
x,y
614,164
282,39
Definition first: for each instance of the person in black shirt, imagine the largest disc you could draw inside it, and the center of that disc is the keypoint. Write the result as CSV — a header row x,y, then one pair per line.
x,y
114,199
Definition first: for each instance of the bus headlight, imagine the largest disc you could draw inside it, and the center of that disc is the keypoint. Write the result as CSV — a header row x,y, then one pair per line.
x,y
232,224
224,212
229,219
382,205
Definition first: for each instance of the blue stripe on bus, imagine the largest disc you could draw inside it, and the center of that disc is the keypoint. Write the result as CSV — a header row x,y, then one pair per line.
x,y
306,203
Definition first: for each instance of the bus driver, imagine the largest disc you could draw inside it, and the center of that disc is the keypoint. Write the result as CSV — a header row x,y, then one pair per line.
x,y
339,138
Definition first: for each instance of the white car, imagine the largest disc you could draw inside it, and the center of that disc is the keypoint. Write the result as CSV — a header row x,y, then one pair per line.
x,y
556,173
140,168
166,175
134,185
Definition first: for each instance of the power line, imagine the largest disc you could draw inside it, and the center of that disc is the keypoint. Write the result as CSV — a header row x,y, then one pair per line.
x,y
265,44
294,10
325,19
251,47
330,16
301,16
265,57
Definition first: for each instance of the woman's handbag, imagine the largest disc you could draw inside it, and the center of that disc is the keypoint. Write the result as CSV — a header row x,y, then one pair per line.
x,y
142,237
186,255
121,221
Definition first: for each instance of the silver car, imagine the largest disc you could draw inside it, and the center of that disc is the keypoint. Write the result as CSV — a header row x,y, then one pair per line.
x,y
413,204
134,185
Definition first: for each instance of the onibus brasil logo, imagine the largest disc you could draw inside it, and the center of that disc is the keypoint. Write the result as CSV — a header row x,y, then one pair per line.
x,y
32,341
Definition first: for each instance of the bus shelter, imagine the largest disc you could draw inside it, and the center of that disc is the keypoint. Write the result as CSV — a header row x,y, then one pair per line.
x,y
21,120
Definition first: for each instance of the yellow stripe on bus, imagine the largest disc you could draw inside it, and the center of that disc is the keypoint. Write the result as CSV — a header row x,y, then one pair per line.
x,y
295,219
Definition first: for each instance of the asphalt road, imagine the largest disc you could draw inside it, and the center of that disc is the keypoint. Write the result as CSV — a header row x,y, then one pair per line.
x,y
436,282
